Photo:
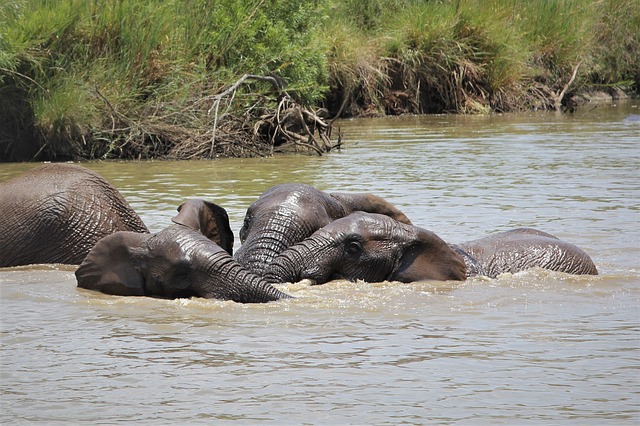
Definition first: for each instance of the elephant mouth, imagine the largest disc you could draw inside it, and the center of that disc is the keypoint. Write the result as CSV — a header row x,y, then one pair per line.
x,y
341,277
318,280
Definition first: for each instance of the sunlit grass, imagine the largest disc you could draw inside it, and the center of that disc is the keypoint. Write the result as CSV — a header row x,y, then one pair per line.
x,y
483,55
81,69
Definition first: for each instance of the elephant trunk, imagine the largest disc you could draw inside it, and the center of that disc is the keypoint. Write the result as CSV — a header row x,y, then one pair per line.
x,y
301,261
240,285
261,248
257,254
285,268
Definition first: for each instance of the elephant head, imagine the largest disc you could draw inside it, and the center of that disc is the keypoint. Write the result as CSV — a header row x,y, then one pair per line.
x,y
523,248
370,247
287,214
179,261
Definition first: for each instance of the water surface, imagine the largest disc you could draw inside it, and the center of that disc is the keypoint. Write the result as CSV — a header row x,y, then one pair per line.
x,y
531,348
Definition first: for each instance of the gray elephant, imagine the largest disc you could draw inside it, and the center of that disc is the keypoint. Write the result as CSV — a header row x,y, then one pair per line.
x,y
55,213
376,248
183,260
370,247
632,119
523,248
288,213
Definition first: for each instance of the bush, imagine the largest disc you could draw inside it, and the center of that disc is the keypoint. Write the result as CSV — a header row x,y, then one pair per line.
x,y
98,77
483,55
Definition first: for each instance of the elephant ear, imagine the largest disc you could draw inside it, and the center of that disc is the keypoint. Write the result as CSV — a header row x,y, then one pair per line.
x,y
113,266
208,218
369,203
428,257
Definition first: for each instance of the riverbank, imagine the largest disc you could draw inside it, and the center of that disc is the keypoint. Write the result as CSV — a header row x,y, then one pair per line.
x,y
152,79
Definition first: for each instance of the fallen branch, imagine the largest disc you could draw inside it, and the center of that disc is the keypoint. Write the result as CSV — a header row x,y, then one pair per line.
x,y
274,82
289,124
558,98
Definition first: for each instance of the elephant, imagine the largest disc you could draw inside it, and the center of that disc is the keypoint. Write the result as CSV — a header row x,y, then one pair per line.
x,y
376,248
183,260
523,248
370,247
632,119
288,213
55,213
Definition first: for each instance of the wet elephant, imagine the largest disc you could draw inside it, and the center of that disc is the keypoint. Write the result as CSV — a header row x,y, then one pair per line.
x,y
375,248
288,213
369,247
178,262
523,248
55,213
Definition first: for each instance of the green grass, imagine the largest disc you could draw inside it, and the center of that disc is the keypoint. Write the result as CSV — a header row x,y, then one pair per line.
x,y
133,78
497,55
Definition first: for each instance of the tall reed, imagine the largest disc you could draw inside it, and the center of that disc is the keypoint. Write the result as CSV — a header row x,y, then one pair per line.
x,y
488,55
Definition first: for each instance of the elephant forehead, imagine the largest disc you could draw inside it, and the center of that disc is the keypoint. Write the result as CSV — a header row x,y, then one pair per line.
x,y
179,243
370,225
294,200
292,196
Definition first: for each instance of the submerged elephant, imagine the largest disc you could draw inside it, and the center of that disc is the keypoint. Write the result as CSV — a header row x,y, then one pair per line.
x,y
183,260
375,248
523,248
632,119
288,213
55,213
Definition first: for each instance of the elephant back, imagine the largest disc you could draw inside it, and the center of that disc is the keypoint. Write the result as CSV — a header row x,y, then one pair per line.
x,y
57,212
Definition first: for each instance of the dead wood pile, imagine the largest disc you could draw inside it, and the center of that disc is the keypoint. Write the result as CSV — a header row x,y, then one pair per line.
x,y
259,130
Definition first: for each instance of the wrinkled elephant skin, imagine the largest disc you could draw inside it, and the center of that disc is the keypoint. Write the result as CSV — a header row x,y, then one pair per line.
x,y
57,212
177,262
288,213
370,247
524,248
376,248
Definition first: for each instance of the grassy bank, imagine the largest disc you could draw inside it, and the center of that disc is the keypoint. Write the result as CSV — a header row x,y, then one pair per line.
x,y
139,79
466,56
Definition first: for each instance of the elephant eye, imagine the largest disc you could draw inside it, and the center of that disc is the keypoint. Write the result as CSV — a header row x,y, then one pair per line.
x,y
181,272
353,247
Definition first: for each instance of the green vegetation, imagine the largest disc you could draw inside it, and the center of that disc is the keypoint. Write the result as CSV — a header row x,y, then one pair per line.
x,y
138,78
476,56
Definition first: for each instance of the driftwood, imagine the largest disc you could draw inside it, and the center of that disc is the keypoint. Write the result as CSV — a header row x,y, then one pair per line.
x,y
290,125
208,127
557,101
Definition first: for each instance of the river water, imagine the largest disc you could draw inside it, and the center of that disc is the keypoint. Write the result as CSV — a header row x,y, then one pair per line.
x,y
531,348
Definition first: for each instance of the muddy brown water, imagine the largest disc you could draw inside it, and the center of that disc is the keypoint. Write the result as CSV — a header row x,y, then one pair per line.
x,y
531,348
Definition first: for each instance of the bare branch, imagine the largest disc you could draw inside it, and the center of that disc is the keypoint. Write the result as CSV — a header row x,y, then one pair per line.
x,y
558,99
